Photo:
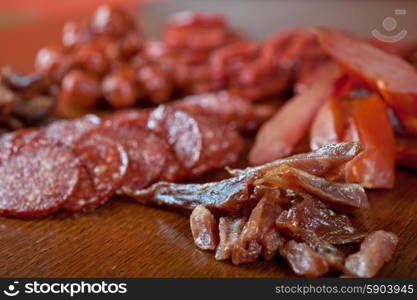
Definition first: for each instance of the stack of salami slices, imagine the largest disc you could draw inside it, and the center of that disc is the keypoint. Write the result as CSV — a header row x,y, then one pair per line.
x,y
81,163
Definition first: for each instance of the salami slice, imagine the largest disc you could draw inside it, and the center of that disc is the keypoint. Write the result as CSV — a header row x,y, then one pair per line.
x,y
11,142
105,162
37,178
198,144
139,117
68,131
148,154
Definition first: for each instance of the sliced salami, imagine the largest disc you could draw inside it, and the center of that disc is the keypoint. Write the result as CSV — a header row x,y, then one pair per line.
x,y
148,154
105,162
68,131
37,178
139,117
11,143
198,144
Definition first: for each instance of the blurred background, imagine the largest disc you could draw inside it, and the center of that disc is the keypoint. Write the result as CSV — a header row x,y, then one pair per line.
x,y
27,25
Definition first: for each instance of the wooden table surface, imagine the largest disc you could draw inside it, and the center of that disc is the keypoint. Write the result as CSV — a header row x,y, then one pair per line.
x,y
126,239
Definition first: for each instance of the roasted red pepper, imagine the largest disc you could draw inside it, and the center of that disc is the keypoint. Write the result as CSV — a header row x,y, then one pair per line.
x,y
281,134
371,124
329,124
394,78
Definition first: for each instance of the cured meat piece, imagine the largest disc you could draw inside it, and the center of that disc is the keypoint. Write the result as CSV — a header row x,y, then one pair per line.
x,y
111,21
228,195
236,111
392,76
407,152
312,215
198,145
11,143
105,163
299,51
230,228
325,161
80,89
119,88
199,31
341,195
204,228
156,82
149,155
37,179
261,220
260,80
232,194
271,242
375,166
69,131
135,117
227,63
329,124
303,260
377,249
278,136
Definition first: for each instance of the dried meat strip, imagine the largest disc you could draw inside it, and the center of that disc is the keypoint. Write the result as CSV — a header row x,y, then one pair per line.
x,y
311,215
261,221
338,194
231,194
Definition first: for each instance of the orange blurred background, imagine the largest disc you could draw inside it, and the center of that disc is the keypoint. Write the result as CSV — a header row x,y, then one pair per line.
x,y
27,25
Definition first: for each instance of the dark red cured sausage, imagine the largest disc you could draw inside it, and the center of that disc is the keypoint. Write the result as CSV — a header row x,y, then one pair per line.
x,y
68,131
198,144
149,156
229,108
139,117
105,162
34,182
12,142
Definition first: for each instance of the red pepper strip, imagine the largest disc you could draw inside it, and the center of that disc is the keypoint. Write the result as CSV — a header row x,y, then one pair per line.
x,y
278,137
407,152
392,76
404,48
329,124
375,166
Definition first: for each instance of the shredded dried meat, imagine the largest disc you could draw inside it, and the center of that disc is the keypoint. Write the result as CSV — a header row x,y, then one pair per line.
x,y
204,228
377,248
303,260
261,221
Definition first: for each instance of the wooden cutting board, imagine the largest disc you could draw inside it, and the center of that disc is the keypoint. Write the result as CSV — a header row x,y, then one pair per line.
x,y
126,239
